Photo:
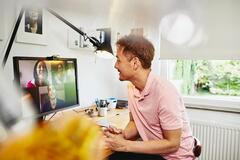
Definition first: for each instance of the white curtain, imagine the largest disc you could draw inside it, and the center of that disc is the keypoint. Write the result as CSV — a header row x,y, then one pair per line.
x,y
206,29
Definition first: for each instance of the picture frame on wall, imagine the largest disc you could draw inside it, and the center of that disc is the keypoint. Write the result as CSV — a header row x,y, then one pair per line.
x,y
137,31
77,41
32,28
116,35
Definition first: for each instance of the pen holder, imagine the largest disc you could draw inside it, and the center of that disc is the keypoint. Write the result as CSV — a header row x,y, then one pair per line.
x,y
102,111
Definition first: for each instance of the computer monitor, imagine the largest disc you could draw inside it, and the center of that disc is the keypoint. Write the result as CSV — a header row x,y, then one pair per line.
x,y
52,82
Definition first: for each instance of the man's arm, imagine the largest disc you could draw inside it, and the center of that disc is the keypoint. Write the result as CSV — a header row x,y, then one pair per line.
x,y
170,143
130,132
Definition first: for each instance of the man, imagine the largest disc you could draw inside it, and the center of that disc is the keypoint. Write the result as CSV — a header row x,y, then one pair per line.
x,y
52,102
157,113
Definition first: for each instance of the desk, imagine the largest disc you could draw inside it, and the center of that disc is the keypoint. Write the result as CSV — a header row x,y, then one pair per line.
x,y
116,117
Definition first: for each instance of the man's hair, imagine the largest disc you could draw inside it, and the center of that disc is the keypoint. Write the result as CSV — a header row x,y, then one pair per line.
x,y
137,46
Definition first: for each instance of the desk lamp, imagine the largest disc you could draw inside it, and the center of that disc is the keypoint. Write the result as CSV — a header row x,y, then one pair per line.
x,y
103,47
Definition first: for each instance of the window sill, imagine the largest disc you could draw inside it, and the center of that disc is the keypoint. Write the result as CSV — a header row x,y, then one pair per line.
x,y
215,103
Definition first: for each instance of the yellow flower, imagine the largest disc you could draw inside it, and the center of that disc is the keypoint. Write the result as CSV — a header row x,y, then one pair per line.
x,y
69,139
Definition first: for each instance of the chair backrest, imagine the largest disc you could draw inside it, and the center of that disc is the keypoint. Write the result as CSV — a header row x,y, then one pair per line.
x,y
197,147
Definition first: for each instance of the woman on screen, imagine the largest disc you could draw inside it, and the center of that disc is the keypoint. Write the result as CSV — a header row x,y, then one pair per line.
x,y
59,77
40,75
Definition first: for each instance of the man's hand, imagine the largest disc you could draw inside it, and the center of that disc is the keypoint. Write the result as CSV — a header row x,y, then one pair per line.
x,y
113,130
115,142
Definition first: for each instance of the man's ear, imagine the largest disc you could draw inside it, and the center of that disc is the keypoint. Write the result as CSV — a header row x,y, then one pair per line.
x,y
136,63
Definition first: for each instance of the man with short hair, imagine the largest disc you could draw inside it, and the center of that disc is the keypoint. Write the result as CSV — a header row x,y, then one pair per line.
x,y
157,112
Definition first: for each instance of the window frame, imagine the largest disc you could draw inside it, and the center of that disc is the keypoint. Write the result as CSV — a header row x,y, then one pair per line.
x,y
215,103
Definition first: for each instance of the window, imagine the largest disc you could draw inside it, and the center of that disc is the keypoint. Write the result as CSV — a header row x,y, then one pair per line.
x,y
213,83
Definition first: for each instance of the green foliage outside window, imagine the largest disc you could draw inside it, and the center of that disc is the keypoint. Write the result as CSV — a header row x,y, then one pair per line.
x,y
216,77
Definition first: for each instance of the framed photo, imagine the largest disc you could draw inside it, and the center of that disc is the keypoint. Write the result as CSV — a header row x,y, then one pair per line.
x,y
76,41
32,28
137,31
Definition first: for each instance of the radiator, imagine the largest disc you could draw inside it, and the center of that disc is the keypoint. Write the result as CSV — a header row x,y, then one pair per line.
x,y
219,142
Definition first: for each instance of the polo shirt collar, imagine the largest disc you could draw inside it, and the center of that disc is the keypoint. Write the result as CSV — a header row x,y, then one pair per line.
x,y
146,89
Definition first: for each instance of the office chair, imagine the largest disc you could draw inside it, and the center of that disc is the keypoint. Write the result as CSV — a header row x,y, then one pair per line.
x,y
197,147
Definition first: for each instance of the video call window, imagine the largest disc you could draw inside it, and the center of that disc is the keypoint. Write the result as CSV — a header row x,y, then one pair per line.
x,y
52,83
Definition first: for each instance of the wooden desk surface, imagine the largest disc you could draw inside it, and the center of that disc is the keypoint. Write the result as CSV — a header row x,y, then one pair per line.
x,y
116,117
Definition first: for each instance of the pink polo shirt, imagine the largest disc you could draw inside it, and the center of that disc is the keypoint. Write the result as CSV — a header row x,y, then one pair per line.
x,y
160,107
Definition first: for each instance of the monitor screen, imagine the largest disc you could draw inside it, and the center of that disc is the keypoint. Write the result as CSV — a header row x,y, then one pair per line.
x,y
52,83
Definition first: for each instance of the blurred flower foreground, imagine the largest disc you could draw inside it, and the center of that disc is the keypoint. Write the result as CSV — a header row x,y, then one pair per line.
x,y
68,139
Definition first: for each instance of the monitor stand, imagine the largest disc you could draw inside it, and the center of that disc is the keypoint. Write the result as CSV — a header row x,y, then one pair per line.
x,y
53,114
40,119
44,118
